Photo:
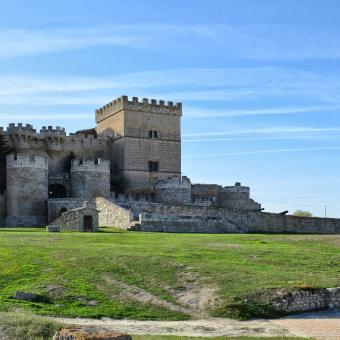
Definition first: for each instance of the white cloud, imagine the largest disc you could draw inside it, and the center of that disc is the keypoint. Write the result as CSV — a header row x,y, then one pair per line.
x,y
214,113
257,152
248,41
267,130
223,85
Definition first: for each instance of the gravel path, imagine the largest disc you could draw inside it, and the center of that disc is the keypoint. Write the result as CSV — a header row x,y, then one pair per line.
x,y
325,325
206,327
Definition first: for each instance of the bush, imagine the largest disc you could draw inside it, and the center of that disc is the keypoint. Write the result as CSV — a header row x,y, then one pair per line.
x,y
302,213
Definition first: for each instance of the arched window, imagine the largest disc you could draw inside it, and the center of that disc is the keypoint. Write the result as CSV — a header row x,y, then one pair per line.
x,y
56,191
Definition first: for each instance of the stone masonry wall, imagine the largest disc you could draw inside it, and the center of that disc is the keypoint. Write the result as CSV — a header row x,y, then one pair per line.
x,y
89,179
169,218
110,214
74,220
303,300
174,190
186,224
27,190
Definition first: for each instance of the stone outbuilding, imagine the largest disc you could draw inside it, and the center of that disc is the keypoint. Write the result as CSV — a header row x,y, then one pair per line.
x,y
84,218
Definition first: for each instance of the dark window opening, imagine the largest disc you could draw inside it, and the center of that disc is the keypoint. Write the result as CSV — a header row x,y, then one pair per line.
x,y
57,191
153,134
153,166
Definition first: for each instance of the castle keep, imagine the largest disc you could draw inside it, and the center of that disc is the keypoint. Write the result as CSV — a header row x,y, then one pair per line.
x,y
125,172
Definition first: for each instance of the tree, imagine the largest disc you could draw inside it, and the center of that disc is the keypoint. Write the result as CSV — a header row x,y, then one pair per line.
x,y
302,213
5,149
118,183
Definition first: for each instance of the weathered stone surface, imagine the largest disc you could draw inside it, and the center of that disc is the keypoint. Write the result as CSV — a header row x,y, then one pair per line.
x,y
87,333
304,300
110,213
175,190
74,220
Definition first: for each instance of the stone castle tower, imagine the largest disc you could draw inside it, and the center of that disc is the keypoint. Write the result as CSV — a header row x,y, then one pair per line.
x,y
146,139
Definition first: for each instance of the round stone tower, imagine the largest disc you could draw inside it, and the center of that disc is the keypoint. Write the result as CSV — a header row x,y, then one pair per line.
x,y
27,190
90,178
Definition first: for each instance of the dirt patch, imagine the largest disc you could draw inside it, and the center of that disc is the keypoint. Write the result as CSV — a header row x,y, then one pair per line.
x,y
224,245
138,294
191,296
196,296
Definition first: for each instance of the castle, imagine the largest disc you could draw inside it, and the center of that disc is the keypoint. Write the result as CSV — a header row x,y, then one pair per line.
x,y
125,172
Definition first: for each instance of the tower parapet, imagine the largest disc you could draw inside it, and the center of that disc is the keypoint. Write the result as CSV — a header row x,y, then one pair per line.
x,y
145,105
59,131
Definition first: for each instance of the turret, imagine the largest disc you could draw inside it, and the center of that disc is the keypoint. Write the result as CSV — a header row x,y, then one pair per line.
x,y
90,178
27,190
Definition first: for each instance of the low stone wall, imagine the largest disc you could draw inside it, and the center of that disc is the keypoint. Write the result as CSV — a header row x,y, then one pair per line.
x,y
110,214
158,217
260,222
303,300
186,224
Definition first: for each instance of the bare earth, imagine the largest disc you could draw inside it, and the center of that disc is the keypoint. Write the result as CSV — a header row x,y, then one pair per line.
x,y
319,326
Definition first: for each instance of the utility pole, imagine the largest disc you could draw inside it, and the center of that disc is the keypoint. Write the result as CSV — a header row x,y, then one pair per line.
x,y
325,211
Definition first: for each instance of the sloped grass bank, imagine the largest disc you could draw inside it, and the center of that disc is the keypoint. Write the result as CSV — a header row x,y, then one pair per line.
x,y
75,271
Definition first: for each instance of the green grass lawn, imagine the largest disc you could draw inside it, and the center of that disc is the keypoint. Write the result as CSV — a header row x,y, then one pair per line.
x,y
79,270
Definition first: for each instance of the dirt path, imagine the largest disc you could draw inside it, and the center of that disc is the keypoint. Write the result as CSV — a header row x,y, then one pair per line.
x,y
319,326
207,328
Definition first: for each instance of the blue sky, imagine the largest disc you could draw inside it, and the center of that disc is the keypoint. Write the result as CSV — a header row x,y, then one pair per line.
x,y
259,81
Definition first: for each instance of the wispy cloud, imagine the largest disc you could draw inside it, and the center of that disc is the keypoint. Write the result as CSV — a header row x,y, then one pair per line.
x,y
268,41
267,130
215,113
314,91
43,117
257,152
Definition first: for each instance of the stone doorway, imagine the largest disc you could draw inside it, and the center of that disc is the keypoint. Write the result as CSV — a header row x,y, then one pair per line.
x,y
88,223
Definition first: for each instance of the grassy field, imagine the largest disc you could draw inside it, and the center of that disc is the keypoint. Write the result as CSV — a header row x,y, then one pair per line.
x,y
82,274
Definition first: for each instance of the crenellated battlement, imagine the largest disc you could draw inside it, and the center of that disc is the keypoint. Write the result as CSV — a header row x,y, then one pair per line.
x,y
144,105
96,165
20,129
53,131
23,160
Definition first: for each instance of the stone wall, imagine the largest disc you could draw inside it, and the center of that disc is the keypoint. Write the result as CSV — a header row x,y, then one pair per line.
x,y
303,300
174,190
90,178
110,214
169,218
73,220
261,222
27,190
186,224
237,197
